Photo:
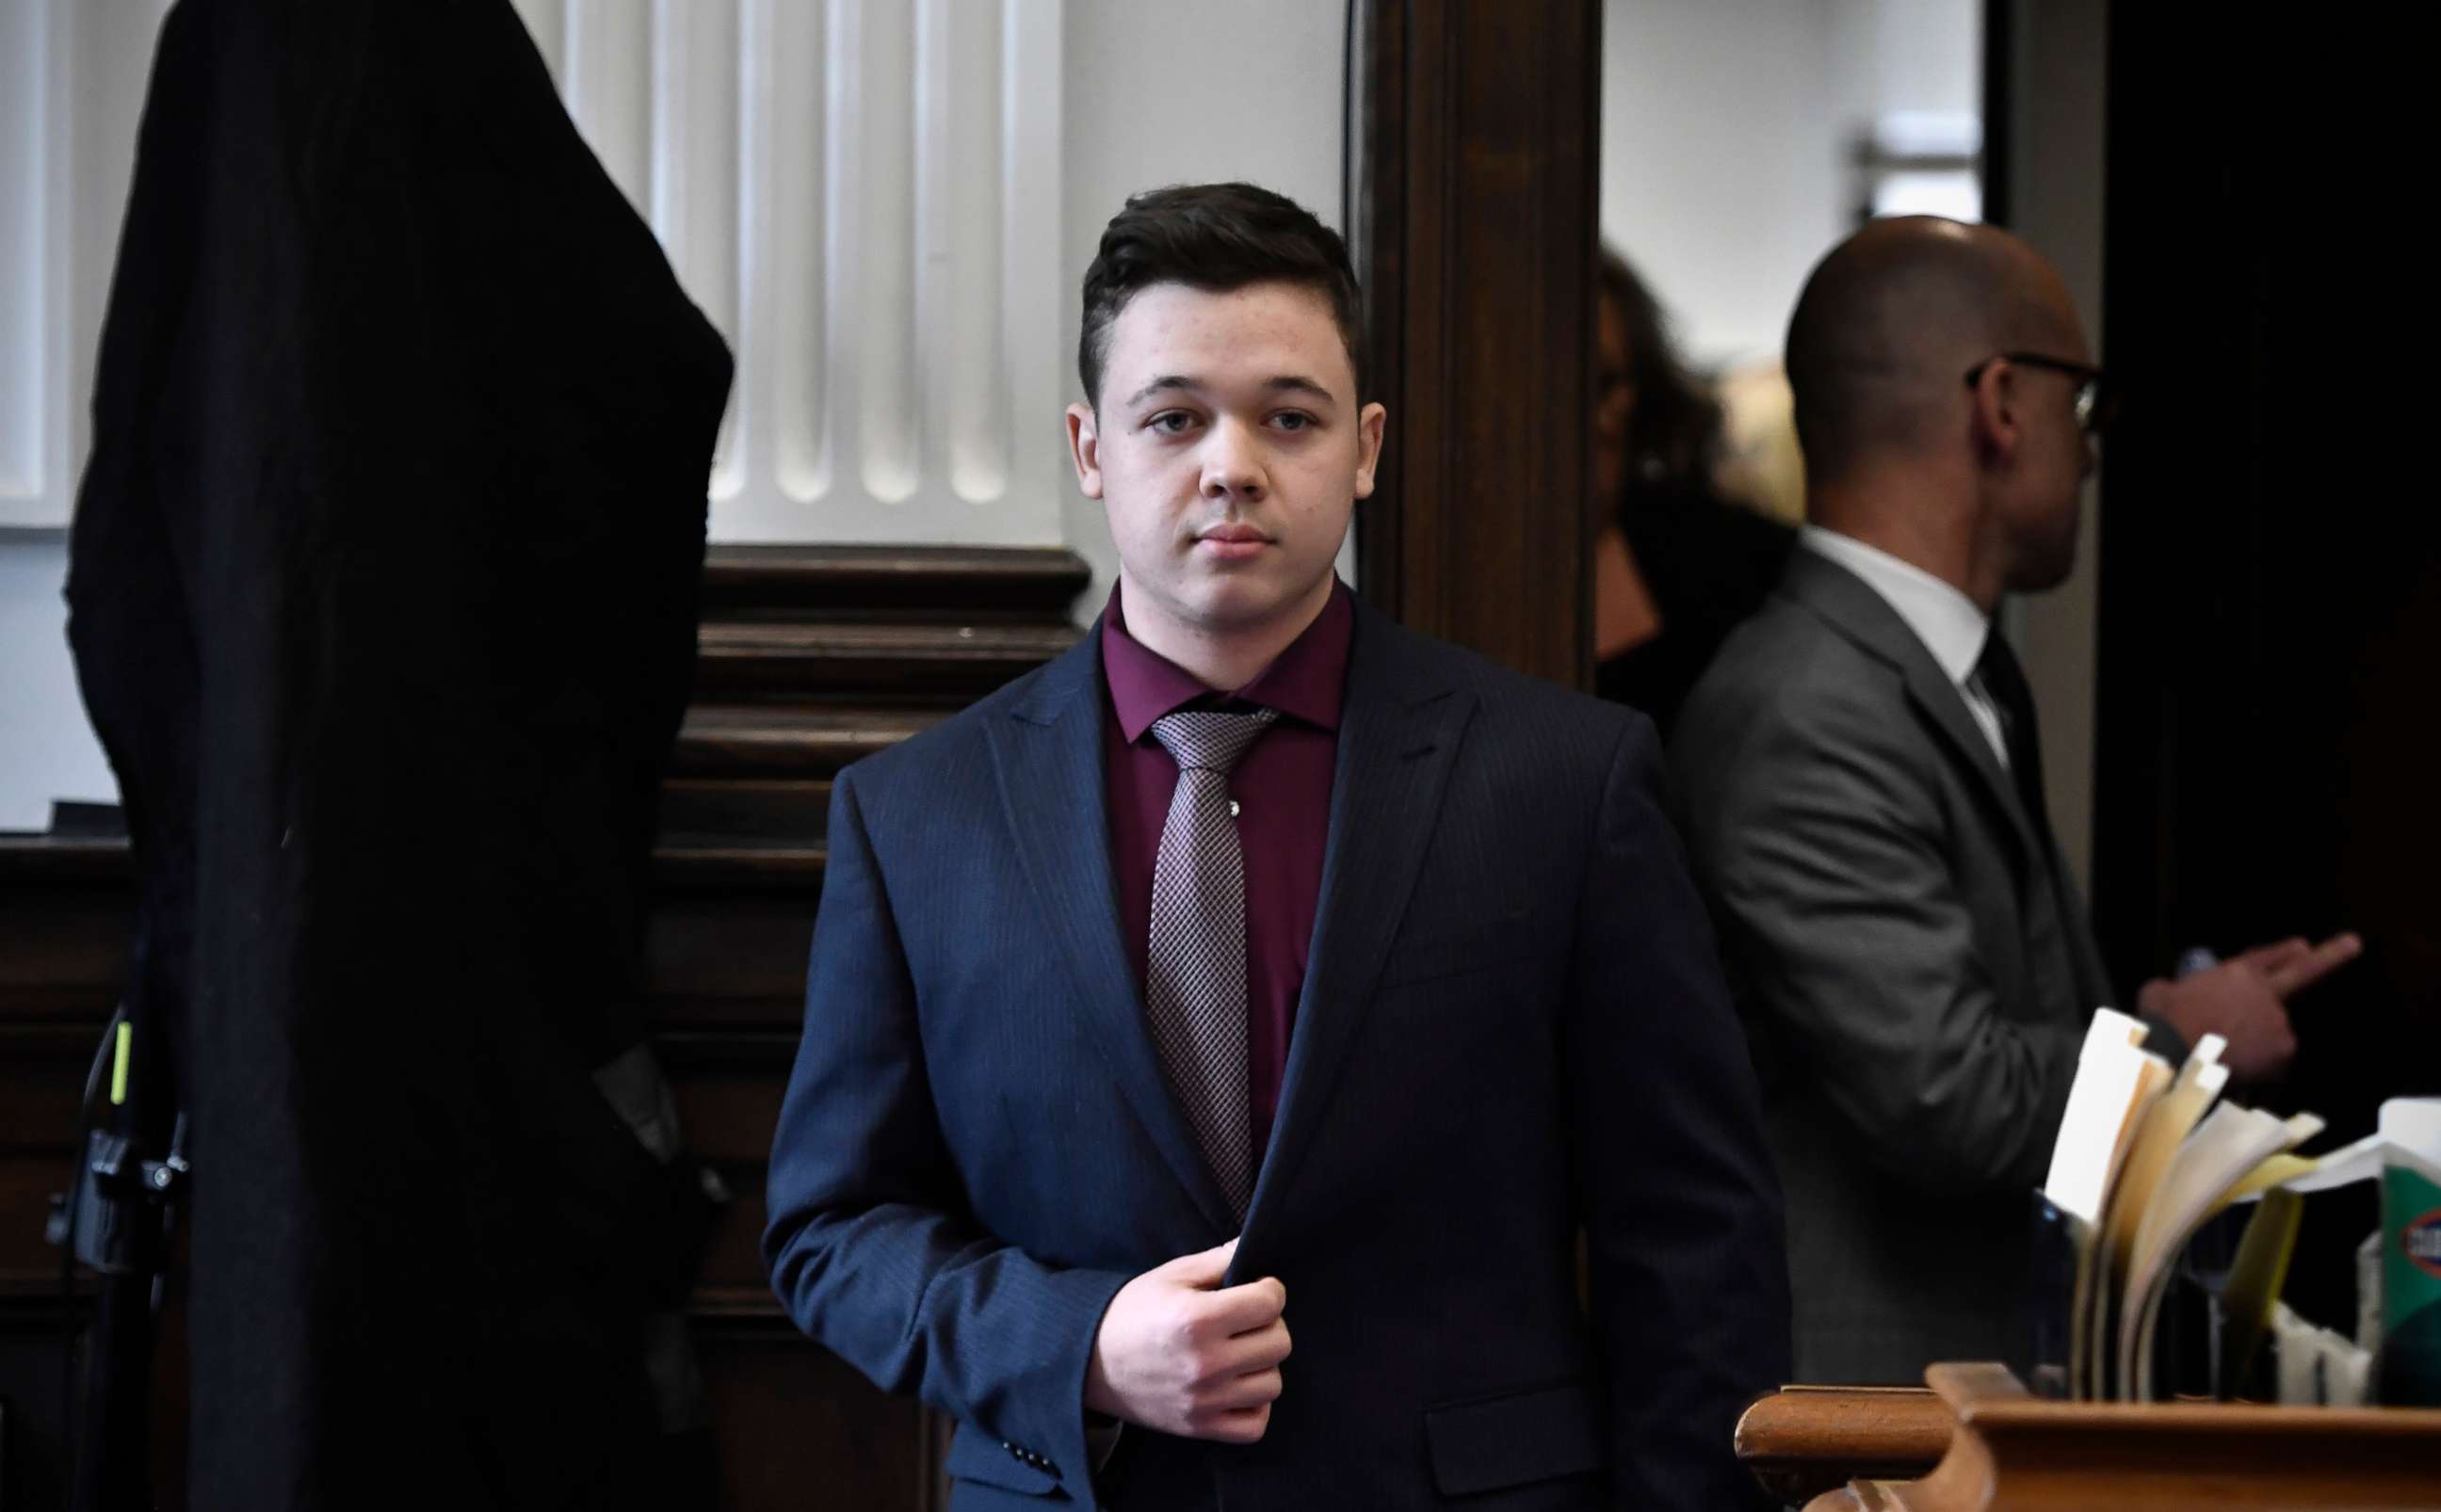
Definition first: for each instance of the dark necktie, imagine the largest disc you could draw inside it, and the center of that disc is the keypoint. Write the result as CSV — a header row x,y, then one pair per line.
x,y
2004,682
1195,969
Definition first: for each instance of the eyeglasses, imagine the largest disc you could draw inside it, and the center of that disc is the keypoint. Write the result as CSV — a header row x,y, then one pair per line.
x,y
2097,402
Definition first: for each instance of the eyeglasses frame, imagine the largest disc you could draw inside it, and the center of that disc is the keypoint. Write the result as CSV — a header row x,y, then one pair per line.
x,y
2094,397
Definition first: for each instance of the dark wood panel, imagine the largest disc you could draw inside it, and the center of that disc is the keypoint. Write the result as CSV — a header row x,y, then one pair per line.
x,y
43,1069
789,810
28,1179
1475,217
737,864
732,1256
811,659
888,664
731,1115
706,949
760,740
799,1429
60,861
943,580
53,936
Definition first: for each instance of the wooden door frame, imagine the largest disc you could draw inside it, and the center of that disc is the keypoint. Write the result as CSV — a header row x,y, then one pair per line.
x,y
1473,218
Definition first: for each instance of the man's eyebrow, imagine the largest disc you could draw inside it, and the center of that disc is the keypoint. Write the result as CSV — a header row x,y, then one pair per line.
x,y
1288,382
1298,383
1167,380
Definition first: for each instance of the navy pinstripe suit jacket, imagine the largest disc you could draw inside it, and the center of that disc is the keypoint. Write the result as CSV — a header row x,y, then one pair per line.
x,y
1514,1026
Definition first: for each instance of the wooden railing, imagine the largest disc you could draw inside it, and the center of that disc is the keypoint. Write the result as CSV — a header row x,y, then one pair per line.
x,y
1979,1441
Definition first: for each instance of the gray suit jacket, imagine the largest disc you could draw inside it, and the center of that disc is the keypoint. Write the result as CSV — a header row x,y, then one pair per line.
x,y
1916,980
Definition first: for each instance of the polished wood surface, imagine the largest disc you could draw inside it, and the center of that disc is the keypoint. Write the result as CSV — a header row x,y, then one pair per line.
x,y
810,658
1473,231
2011,1452
1801,1441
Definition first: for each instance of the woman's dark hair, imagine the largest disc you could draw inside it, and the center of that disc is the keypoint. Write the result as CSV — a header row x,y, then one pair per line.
x,y
1675,437
1216,237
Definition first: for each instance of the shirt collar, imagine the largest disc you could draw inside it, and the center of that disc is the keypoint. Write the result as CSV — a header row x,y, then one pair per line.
x,y
1303,682
1947,620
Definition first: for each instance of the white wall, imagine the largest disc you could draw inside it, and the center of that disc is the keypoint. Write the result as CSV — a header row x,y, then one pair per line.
x,y
75,72
48,748
1727,139
2056,188
1184,91
863,196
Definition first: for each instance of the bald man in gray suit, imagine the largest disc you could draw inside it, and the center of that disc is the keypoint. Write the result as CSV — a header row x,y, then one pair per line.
x,y
1863,799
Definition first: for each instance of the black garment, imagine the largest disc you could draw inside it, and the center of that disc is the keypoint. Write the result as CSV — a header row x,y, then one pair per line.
x,y
1708,565
2005,680
382,596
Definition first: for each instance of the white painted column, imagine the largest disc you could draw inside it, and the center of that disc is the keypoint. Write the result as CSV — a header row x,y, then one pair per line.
x,y
863,197
72,77
30,269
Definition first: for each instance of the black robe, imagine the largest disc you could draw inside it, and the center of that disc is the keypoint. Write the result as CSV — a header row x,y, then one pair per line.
x,y
383,600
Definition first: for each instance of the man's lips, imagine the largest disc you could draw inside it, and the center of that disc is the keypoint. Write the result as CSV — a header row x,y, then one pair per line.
x,y
1232,543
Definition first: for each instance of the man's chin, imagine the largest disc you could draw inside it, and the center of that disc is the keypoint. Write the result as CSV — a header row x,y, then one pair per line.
x,y
2045,575
1242,600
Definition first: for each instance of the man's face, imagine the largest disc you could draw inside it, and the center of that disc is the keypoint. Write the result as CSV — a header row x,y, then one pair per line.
x,y
2054,458
1613,405
1228,450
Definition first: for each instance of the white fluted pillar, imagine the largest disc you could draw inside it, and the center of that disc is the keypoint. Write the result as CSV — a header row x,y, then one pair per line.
x,y
863,196
72,76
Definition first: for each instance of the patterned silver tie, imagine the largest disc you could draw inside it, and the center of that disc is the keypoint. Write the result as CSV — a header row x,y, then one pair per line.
x,y
1195,970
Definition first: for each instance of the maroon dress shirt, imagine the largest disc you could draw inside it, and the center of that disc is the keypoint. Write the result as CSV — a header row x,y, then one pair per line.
x,y
1282,785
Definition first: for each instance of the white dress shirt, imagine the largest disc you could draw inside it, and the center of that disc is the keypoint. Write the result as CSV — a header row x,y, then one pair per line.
x,y
1947,620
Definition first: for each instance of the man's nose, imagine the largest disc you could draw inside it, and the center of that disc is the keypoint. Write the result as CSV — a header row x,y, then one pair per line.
x,y
1233,463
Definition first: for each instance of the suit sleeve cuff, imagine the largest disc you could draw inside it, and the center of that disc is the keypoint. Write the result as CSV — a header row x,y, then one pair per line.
x,y
1076,1299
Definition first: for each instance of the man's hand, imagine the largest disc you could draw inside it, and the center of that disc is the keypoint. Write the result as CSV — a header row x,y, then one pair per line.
x,y
2244,1000
1180,1354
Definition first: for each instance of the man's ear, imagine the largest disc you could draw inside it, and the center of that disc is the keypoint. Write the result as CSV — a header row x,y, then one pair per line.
x,y
1997,420
1369,422
1085,448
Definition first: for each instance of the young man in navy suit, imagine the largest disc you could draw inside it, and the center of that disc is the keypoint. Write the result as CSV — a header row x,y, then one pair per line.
x,y
1261,973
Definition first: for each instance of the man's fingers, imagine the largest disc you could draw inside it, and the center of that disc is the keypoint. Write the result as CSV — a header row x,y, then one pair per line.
x,y
1202,1269
2314,964
1243,1425
2276,956
1255,1388
1244,1309
1264,1349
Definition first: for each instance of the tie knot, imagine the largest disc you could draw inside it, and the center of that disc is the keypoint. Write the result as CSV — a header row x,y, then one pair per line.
x,y
1205,740
2005,681
1997,665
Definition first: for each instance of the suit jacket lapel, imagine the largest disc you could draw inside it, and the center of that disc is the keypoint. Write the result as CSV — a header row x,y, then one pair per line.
x,y
1048,750
1842,597
1398,733
1862,615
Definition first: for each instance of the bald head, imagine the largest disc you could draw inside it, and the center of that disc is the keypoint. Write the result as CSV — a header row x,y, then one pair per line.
x,y
1891,320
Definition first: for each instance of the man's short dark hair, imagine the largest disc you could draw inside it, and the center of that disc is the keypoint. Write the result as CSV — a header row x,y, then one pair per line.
x,y
1214,236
